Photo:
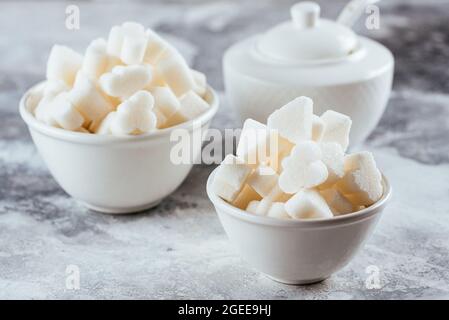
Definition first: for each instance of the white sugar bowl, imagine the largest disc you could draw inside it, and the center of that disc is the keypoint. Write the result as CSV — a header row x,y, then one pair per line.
x,y
314,57
118,174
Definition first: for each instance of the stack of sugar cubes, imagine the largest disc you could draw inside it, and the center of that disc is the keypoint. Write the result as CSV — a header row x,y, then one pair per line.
x,y
133,83
295,167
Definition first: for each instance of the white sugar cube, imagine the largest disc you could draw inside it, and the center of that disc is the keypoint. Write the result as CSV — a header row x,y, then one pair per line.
x,y
245,196
33,99
165,101
65,113
200,82
43,111
264,206
118,35
307,204
88,99
155,47
92,126
253,146
336,128
337,202
157,80
252,207
333,157
54,87
259,207
133,49
307,152
96,59
190,106
277,210
280,148
277,194
106,123
63,64
317,128
230,178
135,116
303,168
175,72
113,62
259,145
362,182
123,81
294,120
161,119
263,180
115,41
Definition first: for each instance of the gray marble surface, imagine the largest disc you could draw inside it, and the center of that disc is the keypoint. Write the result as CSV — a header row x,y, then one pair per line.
x,y
179,249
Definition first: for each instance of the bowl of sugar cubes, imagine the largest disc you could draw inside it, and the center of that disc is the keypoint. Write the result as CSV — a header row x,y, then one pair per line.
x,y
103,121
292,201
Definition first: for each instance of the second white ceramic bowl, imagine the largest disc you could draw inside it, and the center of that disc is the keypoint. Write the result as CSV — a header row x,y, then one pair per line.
x,y
116,174
297,251
358,86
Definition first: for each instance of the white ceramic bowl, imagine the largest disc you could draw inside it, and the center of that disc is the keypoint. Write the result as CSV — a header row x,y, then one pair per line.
x,y
358,86
297,251
308,55
115,174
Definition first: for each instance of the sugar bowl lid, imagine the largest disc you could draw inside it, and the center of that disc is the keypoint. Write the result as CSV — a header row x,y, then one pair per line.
x,y
307,37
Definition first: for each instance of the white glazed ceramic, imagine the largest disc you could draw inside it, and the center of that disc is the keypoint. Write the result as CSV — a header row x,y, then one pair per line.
x,y
115,174
297,251
314,57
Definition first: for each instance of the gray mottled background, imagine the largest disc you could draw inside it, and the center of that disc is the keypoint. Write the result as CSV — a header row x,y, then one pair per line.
x,y
179,249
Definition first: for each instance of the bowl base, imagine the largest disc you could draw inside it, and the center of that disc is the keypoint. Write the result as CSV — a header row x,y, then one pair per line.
x,y
121,210
296,282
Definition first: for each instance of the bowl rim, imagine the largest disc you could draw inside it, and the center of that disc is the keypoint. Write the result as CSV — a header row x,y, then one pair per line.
x,y
81,137
225,207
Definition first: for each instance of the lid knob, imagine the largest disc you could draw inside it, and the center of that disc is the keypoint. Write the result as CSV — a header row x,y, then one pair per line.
x,y
307,37
305,14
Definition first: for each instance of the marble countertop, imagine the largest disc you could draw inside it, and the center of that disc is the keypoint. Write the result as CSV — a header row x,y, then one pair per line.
x,y
179,249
